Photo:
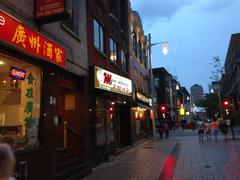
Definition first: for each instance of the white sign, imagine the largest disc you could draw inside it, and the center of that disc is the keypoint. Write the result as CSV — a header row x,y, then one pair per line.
x,y
112,82
2,21
52,100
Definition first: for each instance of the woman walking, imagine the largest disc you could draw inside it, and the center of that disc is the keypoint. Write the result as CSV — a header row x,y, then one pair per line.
x,y
214,127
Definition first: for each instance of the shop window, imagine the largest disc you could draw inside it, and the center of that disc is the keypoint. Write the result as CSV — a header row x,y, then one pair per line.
x,y
104,121
20,91
113,51
98,36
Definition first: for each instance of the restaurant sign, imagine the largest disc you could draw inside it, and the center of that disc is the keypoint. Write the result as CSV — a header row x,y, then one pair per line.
x,y
142,98
46,10
109,81
15,33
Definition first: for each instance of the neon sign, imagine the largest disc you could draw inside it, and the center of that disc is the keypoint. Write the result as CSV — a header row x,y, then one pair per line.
x,y
17,73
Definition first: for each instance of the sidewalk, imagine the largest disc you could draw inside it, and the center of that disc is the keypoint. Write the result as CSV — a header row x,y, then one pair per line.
x,y
143,162
181,157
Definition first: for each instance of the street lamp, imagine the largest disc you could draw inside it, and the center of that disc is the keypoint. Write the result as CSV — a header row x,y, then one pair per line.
x,y
164,51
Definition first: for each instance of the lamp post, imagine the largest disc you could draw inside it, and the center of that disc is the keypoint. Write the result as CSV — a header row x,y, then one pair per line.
x,y
152,92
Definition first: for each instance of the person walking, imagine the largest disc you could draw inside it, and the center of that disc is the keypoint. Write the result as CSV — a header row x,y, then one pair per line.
x,y
7,162
200,126
208,130
214,127
166,129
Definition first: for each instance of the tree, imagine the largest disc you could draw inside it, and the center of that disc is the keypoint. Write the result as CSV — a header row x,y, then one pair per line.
x,y
217,69
211,104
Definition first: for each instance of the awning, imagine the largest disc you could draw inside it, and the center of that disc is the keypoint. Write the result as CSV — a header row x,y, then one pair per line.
x,y
141,105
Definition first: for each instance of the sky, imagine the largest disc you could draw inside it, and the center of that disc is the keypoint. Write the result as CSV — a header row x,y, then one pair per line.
x,y
196,31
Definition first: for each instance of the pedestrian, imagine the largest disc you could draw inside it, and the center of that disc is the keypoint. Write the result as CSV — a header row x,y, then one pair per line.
x,y
200,125
161,130
223,128
7,162
208,129
214,128
166,130
232,122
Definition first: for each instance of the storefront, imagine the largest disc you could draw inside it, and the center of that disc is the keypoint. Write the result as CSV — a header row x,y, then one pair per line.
x,y
141,118
110,112
37,95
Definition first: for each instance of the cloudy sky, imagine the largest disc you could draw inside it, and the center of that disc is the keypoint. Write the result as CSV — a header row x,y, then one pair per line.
x,y
196,30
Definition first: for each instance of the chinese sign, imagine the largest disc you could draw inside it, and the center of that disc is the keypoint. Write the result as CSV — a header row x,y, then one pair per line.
x,y
29,105
112,82
142,98
17,73
15,33
48,8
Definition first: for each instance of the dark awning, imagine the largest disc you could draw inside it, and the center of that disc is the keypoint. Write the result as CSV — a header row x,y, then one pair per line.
x,y
142,105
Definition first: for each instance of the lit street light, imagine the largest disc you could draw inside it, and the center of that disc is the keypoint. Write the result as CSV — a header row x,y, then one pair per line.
x,y
165,52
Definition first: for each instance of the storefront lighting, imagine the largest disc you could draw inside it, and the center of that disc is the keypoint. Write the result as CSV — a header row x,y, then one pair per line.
x,y
136,114
124,102
111,109
4,81
90,110
112,103
1,62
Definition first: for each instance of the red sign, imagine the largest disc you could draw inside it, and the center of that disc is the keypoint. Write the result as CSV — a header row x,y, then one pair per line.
x,y
46,8
15,33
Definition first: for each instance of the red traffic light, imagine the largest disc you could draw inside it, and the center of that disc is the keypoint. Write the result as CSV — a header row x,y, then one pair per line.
x,y
226,103
163,108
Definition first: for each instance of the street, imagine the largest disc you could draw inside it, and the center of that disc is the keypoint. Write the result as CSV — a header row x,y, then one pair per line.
x,y
182,156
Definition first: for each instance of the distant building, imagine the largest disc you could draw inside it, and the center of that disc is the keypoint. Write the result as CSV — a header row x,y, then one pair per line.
x,y
197,93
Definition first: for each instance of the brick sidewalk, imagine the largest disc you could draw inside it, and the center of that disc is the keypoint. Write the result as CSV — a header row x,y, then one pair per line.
x,y
193,160
143,162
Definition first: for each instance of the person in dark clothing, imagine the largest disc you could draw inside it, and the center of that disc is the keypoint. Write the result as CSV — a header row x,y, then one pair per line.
x,y
231,127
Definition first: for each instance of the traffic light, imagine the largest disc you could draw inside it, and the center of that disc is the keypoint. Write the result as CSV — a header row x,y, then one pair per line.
x,y
226,106
163,110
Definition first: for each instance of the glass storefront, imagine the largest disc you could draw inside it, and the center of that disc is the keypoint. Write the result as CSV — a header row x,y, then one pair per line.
x,y
104,120
20,91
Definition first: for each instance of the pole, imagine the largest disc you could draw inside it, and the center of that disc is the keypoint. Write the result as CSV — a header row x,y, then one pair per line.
x,y
151,82
219,99
171,97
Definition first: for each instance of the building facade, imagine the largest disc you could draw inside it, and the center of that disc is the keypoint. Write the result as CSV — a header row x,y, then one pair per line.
x,y
230,81
197,94
139,73
110,86
43,87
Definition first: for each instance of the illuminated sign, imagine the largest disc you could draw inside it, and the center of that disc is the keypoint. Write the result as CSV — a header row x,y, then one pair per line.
x,y
112,82
17,73
142,98
18,35
182,111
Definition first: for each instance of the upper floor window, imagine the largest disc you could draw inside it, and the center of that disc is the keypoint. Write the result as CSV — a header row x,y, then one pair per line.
x,y
98,36
135,43
72,21
140,50
123,61
113,51
156,80
145,58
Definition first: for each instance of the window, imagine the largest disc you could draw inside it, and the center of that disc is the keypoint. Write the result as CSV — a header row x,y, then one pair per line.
x,y
98,36
123,61
144,58
104,121
156,80
135,43
113,51
140,50
71,22
19,104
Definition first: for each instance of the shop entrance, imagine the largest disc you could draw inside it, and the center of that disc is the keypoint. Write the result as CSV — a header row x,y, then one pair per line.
x,y
68,112
123,127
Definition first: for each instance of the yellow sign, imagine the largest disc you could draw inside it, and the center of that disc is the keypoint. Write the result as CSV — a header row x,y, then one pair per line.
x,y
182,111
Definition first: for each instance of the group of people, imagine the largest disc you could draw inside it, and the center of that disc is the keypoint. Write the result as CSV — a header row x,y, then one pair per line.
x,y
163,129
213,127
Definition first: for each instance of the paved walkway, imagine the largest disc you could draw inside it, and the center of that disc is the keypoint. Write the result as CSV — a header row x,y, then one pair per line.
x,y
181,157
